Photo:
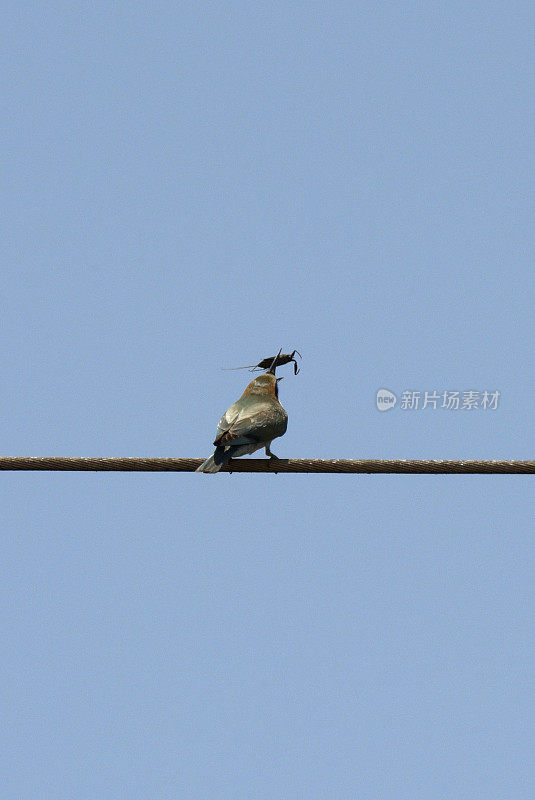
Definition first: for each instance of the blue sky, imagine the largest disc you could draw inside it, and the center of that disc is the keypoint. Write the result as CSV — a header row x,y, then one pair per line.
x,y
192,186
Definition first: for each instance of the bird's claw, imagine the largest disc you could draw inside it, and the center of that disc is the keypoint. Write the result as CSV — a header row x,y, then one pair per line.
x,y
272,456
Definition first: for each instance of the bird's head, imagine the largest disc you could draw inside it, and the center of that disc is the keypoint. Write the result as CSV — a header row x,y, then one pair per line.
x,y
266,384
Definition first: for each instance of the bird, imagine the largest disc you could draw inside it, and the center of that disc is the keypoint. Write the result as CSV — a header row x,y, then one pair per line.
x,y
251,423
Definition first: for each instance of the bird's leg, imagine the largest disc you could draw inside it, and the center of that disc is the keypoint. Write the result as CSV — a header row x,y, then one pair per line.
x,y
269,453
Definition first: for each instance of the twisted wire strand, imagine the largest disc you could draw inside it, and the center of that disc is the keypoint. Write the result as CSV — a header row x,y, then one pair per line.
x,y
293,465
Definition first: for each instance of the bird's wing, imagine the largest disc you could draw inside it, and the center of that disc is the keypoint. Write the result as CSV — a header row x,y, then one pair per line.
x,y
244,426
225,423
226,420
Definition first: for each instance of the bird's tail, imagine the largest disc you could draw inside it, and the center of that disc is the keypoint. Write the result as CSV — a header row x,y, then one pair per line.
x,y
222,455
209,466
214,462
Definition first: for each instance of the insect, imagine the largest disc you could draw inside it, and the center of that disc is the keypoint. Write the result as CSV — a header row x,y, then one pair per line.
x,y
280,360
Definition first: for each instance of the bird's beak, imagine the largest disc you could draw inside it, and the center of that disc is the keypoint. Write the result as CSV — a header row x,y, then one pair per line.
x,y
273,367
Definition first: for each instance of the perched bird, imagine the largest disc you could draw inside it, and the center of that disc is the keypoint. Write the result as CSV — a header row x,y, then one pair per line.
x,y
250,424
